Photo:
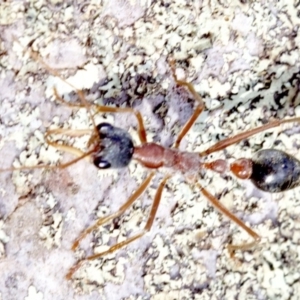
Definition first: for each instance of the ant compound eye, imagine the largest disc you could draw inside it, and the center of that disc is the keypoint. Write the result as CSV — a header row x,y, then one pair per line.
x,y
101,163
104,128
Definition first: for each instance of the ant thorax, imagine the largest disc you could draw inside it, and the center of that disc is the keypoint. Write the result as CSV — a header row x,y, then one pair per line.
x,y
154,156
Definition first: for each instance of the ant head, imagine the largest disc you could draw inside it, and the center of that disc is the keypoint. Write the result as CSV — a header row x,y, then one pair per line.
x,y
115,147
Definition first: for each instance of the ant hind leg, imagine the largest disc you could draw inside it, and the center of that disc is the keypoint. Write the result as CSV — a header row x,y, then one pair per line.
x,y
220,207
244,135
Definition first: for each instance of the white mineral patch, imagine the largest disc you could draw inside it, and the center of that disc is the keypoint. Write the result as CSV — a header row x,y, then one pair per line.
x,y
33,294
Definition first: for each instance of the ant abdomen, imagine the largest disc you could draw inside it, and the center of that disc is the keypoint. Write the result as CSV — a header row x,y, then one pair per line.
x,y
275,171
115,147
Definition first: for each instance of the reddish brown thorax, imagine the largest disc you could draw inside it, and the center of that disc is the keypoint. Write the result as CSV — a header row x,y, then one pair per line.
x,y
154,156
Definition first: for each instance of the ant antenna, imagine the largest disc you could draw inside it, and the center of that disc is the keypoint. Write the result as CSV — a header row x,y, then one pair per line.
x,y
36,57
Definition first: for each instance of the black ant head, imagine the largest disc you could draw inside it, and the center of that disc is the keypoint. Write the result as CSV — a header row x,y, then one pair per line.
x,y
115,147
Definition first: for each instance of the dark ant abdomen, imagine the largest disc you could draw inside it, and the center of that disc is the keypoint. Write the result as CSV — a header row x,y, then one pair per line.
x,y
275,171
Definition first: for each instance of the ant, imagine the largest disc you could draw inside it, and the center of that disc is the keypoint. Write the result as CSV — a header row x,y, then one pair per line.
x,y
112,147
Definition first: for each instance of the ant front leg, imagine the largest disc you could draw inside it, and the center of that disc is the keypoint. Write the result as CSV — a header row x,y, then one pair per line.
x,y
85,104
68,132
141,128
200,106
108,109
64,102
65,148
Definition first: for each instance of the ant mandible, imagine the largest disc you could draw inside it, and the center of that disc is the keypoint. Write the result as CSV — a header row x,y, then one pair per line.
x,y
112,147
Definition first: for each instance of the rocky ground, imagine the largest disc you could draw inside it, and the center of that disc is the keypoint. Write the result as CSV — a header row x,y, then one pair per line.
x,y
243,59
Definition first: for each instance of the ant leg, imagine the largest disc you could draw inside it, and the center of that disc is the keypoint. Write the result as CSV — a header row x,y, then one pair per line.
x,y
64,148
147,227
99,108
243,135
69,132
247,246
49,167
219,206
105,109
141,127
117,246
197,111
36,57
116,214
63,101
